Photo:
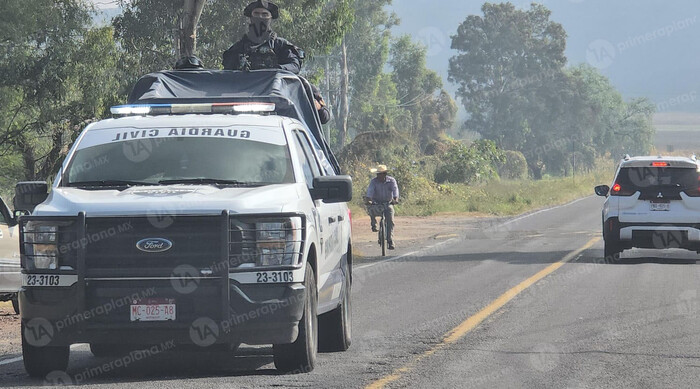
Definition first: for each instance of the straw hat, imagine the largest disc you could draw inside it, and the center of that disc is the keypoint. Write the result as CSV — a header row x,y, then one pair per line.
x,y
379,169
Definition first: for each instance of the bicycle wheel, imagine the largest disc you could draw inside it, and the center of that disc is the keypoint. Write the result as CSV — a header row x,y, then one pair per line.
x,y
382,235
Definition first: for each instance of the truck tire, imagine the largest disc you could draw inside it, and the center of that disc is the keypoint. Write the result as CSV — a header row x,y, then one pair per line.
x,y
15,304
300,356
335,327
40,361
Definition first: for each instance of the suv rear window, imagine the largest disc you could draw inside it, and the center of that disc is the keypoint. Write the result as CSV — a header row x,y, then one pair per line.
x,y
671,180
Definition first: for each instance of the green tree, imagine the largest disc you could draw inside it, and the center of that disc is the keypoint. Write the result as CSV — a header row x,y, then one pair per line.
x,y
512,82
146,29
58,75
431,110
503,57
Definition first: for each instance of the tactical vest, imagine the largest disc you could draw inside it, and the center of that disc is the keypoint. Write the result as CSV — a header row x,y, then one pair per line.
x,y
261,57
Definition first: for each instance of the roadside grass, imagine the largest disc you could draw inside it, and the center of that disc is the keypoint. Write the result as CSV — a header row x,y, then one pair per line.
x,y
501,197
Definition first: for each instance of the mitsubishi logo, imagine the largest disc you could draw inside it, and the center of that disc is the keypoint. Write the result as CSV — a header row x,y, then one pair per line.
x,y
659,196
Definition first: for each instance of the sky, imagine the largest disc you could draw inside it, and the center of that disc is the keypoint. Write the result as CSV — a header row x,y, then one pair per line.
x,y
646,48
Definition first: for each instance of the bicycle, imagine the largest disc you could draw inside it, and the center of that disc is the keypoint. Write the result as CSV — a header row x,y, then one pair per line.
x,y
373,209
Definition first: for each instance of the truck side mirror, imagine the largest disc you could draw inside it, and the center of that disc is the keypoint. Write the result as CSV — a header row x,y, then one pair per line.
x,y
602,190
332,189
29,194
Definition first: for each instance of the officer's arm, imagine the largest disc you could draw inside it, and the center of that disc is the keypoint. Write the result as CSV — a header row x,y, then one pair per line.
x,y
288,58
232,58
324,115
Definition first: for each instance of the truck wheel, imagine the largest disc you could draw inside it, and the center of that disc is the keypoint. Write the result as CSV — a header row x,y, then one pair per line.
x,y
335,327
15,304
40,361
300,356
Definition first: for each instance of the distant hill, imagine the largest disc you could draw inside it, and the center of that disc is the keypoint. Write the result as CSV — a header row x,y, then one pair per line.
x,y
652,47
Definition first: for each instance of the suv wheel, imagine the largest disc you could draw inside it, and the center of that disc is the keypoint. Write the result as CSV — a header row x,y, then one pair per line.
x,y
612,250
40,361
15,304
335,327
300,356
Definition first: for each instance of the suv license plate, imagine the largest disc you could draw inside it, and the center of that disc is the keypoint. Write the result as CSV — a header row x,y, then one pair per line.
x,y
153,310
659,206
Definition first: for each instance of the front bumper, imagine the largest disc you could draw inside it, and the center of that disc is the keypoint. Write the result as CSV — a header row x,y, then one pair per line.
x,y
257,314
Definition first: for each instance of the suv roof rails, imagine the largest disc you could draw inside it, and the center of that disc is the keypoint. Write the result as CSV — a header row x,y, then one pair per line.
x,y
626,157
694,157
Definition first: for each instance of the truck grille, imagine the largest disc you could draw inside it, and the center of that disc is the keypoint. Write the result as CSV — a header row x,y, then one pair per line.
x,y
111,249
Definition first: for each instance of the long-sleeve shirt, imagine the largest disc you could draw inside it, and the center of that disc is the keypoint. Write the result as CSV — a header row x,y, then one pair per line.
x,y
383,191
288,57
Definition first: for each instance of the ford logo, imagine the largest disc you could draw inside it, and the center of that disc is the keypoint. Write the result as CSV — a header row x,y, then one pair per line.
x,y
154,245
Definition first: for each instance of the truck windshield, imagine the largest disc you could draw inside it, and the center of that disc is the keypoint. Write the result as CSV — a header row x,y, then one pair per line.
x,y
194,160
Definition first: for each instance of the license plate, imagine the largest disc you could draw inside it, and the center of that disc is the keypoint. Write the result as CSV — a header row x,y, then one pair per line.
x,y
153,309
274,277
49,279
659,206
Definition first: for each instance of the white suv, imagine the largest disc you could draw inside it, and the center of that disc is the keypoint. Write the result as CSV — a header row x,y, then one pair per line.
x,y
654,203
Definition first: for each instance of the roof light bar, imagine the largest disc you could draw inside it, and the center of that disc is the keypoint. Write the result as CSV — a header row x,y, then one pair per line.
x,y
169,109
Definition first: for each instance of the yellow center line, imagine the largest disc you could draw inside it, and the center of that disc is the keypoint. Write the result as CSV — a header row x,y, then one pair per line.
x,y
473,321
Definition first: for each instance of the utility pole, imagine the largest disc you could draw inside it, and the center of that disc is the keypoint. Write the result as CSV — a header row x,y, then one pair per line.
x,y
344,104
187,40
573,148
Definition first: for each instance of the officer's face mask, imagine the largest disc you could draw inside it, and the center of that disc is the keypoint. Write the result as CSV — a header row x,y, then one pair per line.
x,y
259,27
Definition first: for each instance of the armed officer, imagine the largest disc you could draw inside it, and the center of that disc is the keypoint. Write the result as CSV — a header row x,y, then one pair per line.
x,y
260,47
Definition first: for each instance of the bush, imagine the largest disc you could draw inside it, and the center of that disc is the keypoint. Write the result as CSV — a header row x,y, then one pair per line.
x,y
514,166
470,164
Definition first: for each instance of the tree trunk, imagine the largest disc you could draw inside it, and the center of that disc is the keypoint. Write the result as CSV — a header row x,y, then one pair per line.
x,y
344,107
27,157
191,11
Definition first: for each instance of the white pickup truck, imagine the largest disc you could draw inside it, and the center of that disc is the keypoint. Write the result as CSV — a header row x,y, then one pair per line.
x,y
9,257
204,224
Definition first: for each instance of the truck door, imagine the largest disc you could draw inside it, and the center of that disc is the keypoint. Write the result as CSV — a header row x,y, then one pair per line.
x,y
329,274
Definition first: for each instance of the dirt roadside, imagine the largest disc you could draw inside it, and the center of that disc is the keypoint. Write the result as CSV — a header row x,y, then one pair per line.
x,y
411,233
10,344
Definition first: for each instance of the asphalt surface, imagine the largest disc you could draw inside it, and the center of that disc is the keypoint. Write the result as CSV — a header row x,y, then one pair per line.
x,y
586,323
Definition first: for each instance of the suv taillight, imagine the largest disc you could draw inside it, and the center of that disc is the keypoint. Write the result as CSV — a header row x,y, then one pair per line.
x,y
619,190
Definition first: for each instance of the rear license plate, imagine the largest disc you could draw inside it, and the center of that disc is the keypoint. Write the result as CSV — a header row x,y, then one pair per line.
x,y
153,309
659,206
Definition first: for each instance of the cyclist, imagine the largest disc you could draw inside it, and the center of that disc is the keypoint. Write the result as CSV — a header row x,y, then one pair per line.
x,y
383,188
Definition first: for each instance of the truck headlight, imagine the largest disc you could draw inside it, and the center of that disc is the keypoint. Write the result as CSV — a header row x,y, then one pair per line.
x,y
268,242
41,245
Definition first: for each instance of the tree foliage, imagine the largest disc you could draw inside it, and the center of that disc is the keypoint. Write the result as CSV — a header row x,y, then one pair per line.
x,y
512,81
470,164
146,28
57,75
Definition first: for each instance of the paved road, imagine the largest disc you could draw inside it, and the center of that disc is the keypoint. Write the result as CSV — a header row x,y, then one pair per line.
x,y
468,313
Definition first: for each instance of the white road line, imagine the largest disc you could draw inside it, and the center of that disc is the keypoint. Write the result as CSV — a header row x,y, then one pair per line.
x,y
543,210
11,360
456,238
405,255
19,359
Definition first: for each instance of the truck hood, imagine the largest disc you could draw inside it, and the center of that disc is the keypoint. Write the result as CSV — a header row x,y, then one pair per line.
x,y
171,199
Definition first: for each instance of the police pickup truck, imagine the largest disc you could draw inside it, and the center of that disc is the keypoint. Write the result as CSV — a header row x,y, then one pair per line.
x,y
192,220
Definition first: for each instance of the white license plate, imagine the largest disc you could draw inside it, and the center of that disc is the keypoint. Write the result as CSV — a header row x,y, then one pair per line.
x,y
659,206
153,310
